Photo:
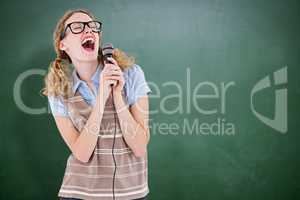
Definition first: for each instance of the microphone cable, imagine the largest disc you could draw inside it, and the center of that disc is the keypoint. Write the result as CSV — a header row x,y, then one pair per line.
x,y
113,145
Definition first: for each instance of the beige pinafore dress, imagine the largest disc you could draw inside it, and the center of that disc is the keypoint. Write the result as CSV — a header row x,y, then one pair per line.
x,y
94,179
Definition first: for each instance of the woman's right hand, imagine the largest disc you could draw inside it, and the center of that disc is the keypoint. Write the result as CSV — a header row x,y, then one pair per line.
x,y
107,77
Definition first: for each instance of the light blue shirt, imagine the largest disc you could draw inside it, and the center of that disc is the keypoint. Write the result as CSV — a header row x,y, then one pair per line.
x,y
135,86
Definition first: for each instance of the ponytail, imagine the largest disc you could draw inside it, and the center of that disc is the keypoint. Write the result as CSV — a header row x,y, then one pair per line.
x,y
57,81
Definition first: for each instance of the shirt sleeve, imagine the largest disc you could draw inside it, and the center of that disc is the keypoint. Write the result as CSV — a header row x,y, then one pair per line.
x,y
138,85
57,106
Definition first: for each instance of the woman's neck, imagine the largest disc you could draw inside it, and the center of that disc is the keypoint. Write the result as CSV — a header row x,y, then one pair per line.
x,y
86,70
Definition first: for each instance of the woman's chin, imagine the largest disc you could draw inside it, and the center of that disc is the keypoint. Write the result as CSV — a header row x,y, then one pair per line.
x,y
88,58
88,54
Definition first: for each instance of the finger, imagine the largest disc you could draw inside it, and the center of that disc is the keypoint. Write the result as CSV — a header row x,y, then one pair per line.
x,y
116,73
108,66
118,78
111,59
110,72
107,63
112,67
109,82
113,73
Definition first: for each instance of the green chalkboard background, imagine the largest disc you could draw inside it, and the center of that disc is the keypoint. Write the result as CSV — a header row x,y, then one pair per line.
x,y
215,41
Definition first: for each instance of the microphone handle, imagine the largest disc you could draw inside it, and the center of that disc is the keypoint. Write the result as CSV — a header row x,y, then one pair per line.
x,y
106,60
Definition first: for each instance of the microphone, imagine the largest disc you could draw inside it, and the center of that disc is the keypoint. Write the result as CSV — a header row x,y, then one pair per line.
x,y
107,51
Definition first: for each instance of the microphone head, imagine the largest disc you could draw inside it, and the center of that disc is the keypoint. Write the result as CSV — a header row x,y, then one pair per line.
x,y
107,50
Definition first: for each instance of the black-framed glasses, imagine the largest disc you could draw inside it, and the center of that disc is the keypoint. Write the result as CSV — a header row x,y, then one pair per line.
x,y
78,27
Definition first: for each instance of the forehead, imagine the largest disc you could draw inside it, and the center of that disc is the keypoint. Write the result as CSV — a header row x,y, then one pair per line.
x,y
82,17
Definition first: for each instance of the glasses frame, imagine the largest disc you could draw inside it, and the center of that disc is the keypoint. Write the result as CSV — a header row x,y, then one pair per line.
x,y
63,34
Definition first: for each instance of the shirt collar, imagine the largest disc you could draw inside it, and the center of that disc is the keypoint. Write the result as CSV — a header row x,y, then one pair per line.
x,y
77,81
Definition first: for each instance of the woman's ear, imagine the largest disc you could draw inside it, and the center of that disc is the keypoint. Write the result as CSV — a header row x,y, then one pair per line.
x,y
62,46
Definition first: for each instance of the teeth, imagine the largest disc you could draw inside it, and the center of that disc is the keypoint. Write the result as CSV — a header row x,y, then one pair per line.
x,y
88,39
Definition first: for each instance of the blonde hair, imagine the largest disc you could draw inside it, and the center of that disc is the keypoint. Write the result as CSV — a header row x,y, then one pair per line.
x,y
58,80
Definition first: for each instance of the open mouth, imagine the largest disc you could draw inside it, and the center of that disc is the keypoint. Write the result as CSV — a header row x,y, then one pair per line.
x,y
88,44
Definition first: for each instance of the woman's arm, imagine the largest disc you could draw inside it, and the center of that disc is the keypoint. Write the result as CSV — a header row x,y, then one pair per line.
x,y
82,144
134,123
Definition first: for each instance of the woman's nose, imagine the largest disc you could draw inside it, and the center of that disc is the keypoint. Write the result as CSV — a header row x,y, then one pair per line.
x,y
87,29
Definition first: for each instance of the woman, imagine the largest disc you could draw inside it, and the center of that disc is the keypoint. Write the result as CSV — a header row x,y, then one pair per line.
x,y
105,126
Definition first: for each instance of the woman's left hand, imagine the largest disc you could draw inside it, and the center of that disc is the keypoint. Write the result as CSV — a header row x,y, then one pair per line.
x,y
117,89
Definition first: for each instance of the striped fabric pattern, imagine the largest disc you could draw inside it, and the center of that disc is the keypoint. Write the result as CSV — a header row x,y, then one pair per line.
x,y
93,180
